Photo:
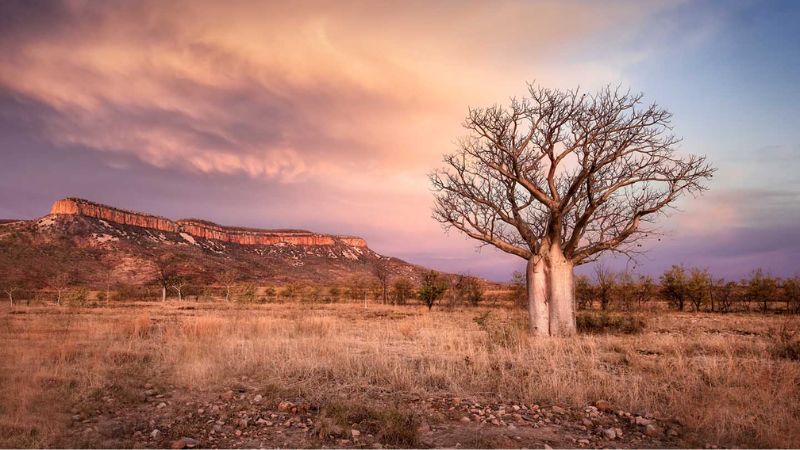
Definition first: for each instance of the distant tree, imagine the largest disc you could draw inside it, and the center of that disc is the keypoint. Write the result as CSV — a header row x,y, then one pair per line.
x,y
584,292
166,269
177,283
270,293
432,288
697,287
468,289
646,289
606,285
246,293
382,272
626,290
60,283
402,290
335,293
228,279
290,291
674,286
762,288
11,280
791,293
725,294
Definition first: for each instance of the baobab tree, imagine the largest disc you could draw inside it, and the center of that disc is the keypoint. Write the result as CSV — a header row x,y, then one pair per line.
x,y
558,178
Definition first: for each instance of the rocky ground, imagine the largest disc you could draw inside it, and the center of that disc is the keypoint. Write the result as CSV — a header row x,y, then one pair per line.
x,y
244,417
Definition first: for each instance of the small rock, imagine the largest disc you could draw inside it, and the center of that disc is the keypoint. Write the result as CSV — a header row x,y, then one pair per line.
x,y
610,433
227,395
672,432
602,405
512,427
161,405
587,423
583,441
148,386
464,419
257,398
559,410
155,434
355,433
285,406
651,430
642,421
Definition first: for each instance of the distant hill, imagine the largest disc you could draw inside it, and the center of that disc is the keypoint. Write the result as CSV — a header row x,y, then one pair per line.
x,y
97,244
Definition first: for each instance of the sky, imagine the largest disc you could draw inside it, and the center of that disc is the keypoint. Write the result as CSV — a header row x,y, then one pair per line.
x,y
328,116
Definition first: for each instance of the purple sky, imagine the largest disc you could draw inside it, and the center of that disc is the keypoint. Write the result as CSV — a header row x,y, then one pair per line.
x,y
328,116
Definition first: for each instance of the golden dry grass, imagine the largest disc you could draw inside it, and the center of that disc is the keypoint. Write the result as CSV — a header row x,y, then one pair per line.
x,y
715,374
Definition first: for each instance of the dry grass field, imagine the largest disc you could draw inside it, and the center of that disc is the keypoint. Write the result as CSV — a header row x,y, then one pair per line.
x,y
342,375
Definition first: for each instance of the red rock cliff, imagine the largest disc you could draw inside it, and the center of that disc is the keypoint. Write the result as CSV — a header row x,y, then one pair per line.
x,y
90,209
199,228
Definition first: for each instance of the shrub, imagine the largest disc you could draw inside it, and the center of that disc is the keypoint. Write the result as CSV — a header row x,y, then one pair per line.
x,y
786,343
432,288
607,323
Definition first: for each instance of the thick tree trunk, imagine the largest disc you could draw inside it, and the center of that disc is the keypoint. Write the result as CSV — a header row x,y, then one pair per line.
x,y
562,293
536,284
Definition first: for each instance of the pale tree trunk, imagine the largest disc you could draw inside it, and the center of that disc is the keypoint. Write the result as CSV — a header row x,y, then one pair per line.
x,y
536,281
163,293
227,293
562,293
11,298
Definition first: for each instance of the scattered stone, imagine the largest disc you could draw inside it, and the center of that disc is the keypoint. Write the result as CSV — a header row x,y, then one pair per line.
x,y
642,421
148,386
651,430
355,433
583,441
285,406
161,405
464,419
155,434
227,395
610,433
588,423
602,405
559,410
672,432
257,398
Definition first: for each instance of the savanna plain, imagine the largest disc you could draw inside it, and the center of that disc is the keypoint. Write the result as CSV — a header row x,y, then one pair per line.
x,y
294,374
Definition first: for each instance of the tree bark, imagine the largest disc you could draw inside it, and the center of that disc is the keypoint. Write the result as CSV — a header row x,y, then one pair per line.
x,y
561,293
536,289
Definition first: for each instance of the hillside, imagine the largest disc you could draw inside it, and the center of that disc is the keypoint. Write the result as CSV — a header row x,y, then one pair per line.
x,y
97,244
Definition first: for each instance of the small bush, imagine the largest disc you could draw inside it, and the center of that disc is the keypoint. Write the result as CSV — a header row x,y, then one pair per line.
x,y
786,343
606,323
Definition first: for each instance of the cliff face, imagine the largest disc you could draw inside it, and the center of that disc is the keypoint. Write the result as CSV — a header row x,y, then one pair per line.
x,y
201,229
90,209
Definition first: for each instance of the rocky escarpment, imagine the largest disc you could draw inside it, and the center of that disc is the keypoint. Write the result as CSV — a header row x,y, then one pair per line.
x,y
200,228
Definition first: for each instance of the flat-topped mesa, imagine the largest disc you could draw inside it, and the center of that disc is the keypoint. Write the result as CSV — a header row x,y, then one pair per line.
x,y
201,228
81,207
252,236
